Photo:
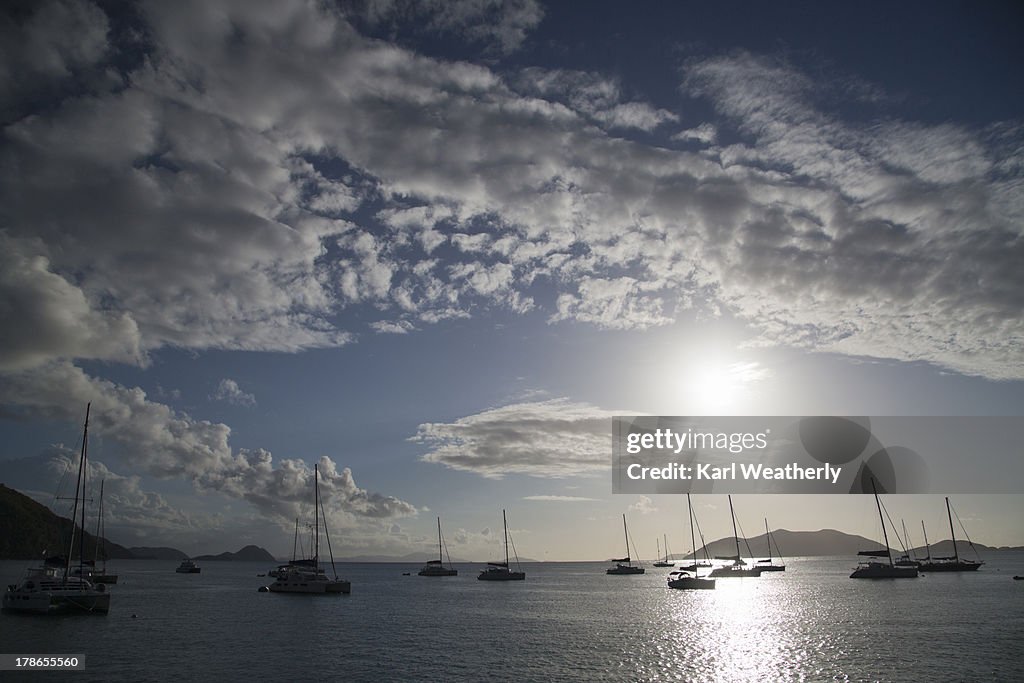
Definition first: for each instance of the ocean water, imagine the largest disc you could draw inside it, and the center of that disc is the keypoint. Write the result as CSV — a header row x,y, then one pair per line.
x,y
566,622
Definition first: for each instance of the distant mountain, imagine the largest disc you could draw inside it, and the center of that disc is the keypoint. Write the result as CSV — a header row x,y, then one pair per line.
x,y
249,553
144,553
821,543
414,558
28,530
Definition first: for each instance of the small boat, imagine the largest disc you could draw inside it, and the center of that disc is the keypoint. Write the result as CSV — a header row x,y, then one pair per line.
x,y
738,568
664,561
56,587
624,566
437,567
950,564
1018,578
188,567
875,569
101,575
499,571
307,576
689,580
767,565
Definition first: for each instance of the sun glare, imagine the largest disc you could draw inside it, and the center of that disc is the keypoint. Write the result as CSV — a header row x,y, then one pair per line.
x,y
717,387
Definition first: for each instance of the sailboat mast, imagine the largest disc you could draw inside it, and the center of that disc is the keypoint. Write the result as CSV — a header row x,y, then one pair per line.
x,y
99,533
78,487
693,539
735,535
440,558
951,532
927,549
885,536
664,537
768,538
504,525
625,535
316,515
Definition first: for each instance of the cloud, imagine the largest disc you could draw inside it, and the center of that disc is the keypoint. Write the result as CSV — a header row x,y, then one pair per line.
x,y
270,178
554,438
154,440
229,391
644,506
500,26
560,499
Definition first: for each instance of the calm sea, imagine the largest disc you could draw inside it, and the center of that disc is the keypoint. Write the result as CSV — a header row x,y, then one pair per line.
x,y
566,622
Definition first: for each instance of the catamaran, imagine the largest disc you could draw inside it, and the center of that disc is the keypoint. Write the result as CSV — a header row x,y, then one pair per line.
x,y
437,567
499,571
307,576
624,565
57,586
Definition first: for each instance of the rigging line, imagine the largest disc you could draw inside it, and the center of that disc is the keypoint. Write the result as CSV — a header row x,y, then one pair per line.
x,y
327,534
515,553
745,541
894,529
962,528
629,542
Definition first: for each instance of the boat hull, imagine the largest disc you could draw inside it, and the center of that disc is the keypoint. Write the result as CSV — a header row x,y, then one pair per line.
x,y
494,574
692,583
949,566
437,571
57,602
311,587
623,570
734,572
884,571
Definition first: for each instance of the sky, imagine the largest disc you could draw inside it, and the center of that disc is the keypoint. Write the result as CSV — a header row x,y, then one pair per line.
x,y
433,247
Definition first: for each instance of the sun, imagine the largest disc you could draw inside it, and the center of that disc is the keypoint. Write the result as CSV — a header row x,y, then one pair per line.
x,y
719,387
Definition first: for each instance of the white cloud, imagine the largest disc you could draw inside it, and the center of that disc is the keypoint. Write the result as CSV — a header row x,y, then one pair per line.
x,y
560,499
214,201
229,391
155,440
644,505
554,438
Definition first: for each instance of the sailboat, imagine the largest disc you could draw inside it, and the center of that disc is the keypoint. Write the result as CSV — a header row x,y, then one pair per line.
x,y
664,562
738,567
101,575
625,565
950,564
766,565
684,579
53,588
874,569
307,576
499,571
437,567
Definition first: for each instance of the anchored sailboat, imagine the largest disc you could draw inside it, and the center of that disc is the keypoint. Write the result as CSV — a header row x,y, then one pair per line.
x,y
874,569
951,564
499,571
307,576
664,561
738,568
625,565
767,565
56,587
684,579
101,575
437,567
